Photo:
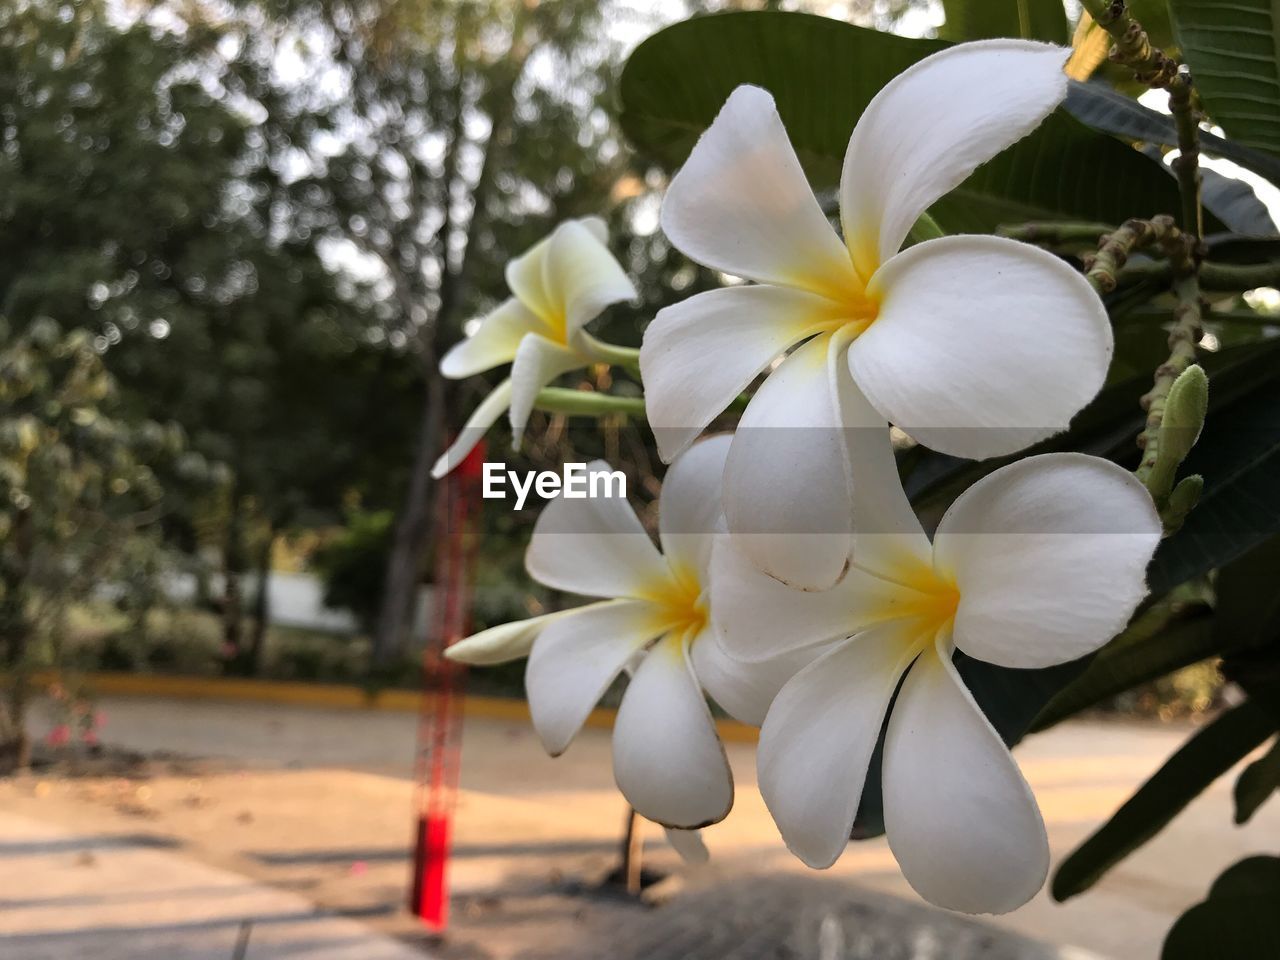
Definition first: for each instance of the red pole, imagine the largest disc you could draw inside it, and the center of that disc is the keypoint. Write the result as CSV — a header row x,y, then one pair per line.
x,y
440,720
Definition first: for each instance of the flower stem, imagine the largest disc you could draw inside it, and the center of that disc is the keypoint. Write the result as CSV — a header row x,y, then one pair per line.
x,y
1152,66
1102,269
587,403
1054,233
612,354
1213,276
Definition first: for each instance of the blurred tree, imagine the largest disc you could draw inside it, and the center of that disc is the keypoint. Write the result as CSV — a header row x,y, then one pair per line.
x,y
79,487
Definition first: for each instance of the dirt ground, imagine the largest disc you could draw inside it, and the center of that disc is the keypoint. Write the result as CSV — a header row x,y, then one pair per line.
x,y
535,836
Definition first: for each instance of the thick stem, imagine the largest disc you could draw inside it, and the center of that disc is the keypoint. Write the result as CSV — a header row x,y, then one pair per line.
x,y
1053,233
1183,338
1102,269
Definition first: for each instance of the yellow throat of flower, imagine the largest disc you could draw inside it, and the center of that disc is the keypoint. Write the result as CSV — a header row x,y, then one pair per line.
x,y
680,605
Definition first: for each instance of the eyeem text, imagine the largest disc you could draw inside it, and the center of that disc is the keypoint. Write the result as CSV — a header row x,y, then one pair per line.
x,y
574,482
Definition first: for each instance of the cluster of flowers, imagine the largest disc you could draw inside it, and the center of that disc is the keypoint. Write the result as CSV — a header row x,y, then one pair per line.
x,y
795,586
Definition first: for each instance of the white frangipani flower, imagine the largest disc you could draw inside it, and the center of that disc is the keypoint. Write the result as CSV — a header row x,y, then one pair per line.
x,y
1040,562
667,757
558,285
976,346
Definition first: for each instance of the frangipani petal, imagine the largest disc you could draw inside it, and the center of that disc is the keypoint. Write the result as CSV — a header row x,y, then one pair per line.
x,y
757,618
699,354
474,429
741,204
817,741
581,277
538,362
743,690
982,346
494,343
689,844
505,642
594,546
1049,554
887,535
667,758
961,820
526,277
575,659
786,484
689,515
932,126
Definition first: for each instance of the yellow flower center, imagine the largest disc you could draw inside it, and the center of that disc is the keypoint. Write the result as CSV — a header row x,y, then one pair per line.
x,y
926,602
679,603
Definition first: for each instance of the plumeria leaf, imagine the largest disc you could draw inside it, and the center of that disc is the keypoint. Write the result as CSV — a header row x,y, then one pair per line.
x,y
1104,108
1157,643
1211,752
1027,19
1256,783
1232,50
1237,920
676,81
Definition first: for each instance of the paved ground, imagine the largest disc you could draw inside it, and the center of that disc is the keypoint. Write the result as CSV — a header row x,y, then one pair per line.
x,y
72,894
534,835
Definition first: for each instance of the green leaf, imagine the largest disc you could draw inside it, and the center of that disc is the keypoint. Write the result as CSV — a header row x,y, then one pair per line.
x,y
1236,928
823,73
1160,641
1211,752
1238,920
1235,203
1028,19
1231,47
1256,783
1106,109
1248,606
1247,877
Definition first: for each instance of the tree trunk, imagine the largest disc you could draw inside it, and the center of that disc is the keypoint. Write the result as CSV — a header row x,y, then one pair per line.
x,y
15,637
412,534
233,565
261,604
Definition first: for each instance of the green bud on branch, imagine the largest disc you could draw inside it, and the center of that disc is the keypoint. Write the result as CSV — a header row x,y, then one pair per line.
x,y
1184,413
1183,498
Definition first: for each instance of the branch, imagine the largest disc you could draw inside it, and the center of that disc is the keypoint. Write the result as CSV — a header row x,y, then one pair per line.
x,y
1102,269
1150,65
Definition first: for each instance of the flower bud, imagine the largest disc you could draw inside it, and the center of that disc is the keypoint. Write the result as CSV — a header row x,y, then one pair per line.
x,y
1184,415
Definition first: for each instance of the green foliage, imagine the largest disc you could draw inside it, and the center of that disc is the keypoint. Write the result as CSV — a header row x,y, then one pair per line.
x,y
1211,752
1238,921
1232,49
677,80
351,564
1028,19
1256,784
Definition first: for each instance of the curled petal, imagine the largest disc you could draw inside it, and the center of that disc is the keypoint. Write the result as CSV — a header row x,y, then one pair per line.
x,y
689,514
961,820
786,484
1050,555
689,844
581,277
757,618
538,362
817,741
667,757
494,343
741,204
982,345
474,429
698,355
505,642
594,546
575,659
932,126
